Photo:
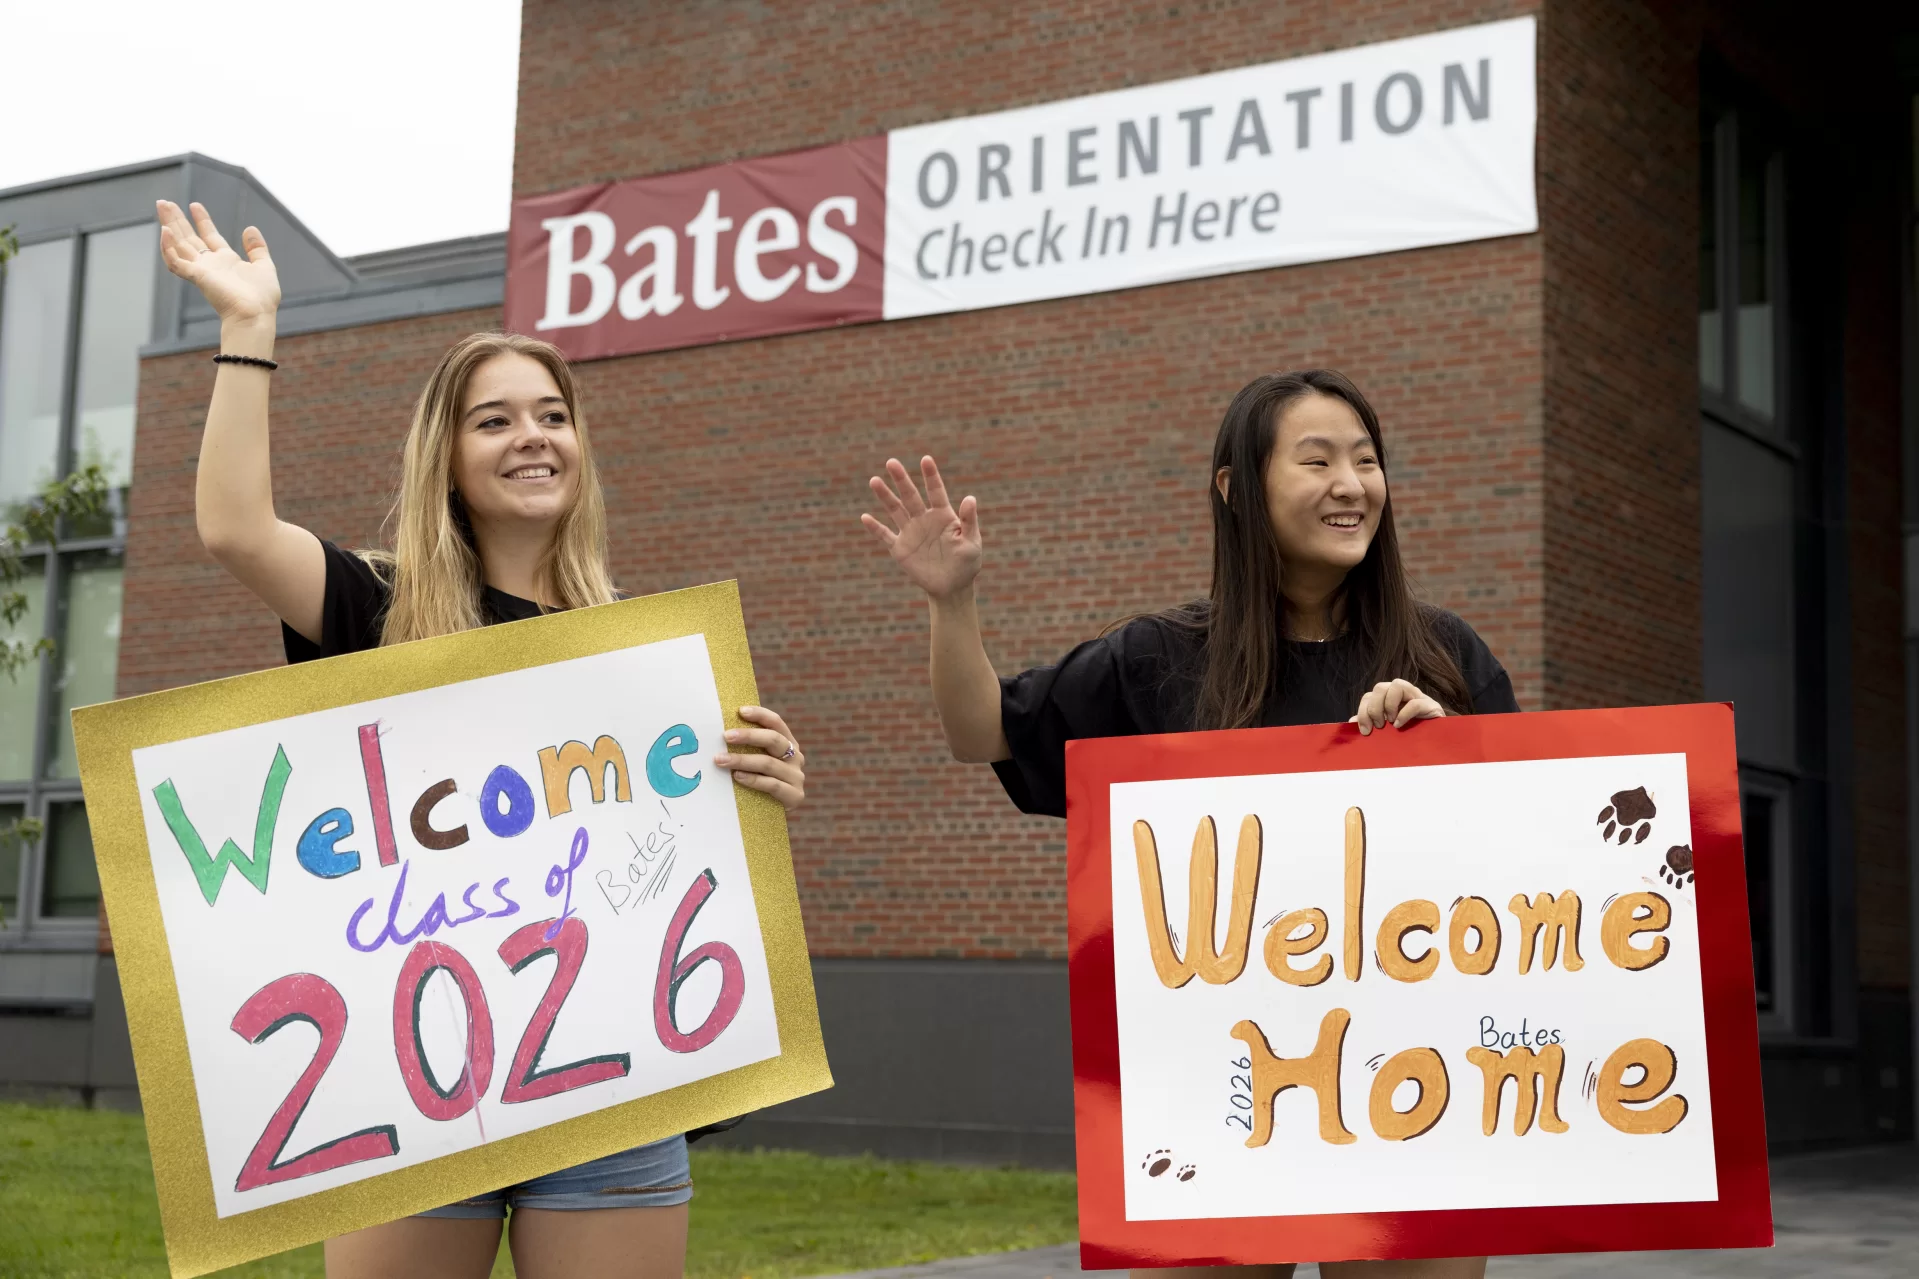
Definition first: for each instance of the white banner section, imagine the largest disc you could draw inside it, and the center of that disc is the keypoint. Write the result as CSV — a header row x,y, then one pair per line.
x,y
1400,145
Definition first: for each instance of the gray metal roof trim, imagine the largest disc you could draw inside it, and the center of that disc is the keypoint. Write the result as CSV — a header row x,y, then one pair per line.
x,y
354,309
466,253
103,175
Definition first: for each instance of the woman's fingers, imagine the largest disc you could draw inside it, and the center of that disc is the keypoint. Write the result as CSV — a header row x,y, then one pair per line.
x,y
770,771
909,492
969,518
203,224
765,766
175,221
1418,708
773,720
935,486
886,535
789,795
888,499
255,245
1398,703
773,743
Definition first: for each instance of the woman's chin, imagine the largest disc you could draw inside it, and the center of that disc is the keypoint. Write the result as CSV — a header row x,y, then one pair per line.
x,y
526,510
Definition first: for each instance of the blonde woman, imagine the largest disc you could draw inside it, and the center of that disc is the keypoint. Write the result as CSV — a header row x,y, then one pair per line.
x,y
500,518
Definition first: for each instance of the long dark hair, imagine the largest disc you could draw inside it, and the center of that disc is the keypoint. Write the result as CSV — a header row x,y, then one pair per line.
x,y
1244,652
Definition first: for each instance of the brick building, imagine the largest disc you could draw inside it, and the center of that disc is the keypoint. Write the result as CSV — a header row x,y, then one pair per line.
x,y
1656,451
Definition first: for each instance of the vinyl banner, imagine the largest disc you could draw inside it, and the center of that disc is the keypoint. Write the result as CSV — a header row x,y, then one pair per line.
x,y
1483,987
400,927
1391,146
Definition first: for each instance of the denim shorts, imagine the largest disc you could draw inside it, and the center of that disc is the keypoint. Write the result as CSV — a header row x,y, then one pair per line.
x,y
656,1175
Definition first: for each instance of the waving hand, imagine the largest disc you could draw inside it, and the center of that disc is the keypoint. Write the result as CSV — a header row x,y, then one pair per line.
x,y
238,288
936,546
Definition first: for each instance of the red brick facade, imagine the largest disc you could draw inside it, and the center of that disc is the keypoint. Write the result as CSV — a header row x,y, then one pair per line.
x,y
1539,395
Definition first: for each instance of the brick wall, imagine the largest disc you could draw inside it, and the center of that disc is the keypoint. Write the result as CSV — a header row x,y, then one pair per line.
x,y
1618,155
1082,425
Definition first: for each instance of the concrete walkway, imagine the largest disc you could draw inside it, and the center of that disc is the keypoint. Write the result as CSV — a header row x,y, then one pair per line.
x,y
1844,1215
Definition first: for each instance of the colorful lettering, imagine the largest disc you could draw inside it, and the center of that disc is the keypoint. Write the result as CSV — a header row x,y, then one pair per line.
x,y
666,780
374,766
558,763
421,821
319,842
211,872
504,783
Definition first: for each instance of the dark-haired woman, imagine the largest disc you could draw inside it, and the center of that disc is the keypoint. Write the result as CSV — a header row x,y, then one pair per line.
x,y
1310,621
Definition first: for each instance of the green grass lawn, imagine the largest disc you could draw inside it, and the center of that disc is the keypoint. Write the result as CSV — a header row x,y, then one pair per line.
x,y
76,1199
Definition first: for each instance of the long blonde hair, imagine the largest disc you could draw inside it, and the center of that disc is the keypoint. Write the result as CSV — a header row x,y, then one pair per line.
x,y
433,567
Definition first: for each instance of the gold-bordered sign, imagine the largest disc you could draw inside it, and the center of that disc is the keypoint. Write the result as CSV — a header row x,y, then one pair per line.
x,y
199,1238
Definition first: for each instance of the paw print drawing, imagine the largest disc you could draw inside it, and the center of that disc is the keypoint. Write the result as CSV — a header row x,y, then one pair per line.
x,y
1630,814
1678,868
1186,1172
1157,1163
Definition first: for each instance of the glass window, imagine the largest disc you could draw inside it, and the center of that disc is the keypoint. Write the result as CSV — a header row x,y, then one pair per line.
x,y
116,316
72,882
1712,321
33,346
1747,592
1758,247
11,857
89,648
20,696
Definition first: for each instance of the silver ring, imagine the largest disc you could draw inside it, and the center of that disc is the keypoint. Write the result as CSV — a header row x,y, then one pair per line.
x,y
790,748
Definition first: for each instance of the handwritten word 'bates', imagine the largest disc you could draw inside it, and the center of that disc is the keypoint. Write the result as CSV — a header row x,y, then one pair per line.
x,y
1548,925
507,807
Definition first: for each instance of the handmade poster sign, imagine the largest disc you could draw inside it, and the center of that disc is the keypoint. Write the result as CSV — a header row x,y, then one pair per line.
x,y
399,927
1480,987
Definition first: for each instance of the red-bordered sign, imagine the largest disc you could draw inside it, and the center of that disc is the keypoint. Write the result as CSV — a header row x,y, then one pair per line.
x,y
1740,1215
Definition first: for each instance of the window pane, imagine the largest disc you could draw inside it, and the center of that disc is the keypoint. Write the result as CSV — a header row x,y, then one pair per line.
x,y
1747,588
1756,819
11,856
89,651
1712,322
20,695
33,343
1758,248
116,318
72,882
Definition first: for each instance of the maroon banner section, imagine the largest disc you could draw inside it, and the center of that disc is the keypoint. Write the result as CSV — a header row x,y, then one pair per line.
x,y
777,244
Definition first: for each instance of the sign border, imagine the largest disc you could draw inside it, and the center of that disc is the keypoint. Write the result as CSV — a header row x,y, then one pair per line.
x,y
1742,1215
198,1240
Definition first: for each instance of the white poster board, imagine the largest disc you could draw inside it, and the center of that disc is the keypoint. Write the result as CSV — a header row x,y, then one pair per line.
x,y
408,925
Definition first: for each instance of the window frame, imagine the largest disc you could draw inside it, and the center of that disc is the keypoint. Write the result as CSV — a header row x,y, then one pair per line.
x,y
1778,433
1778,789
1723,405
27,928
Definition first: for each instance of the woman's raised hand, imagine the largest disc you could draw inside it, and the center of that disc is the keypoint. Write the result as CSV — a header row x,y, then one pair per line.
x,y
936,545
238,288
1398,703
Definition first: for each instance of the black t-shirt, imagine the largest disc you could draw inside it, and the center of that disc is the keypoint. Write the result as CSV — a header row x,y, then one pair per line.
x,y
1144,678
354,609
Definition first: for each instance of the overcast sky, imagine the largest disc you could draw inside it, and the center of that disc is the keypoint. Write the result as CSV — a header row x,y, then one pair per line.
x,y
379,123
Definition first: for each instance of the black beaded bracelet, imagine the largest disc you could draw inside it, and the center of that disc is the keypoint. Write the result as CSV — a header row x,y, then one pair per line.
x,y
254,360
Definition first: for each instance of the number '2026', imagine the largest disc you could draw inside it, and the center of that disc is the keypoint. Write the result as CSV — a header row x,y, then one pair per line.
x,y
313,999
